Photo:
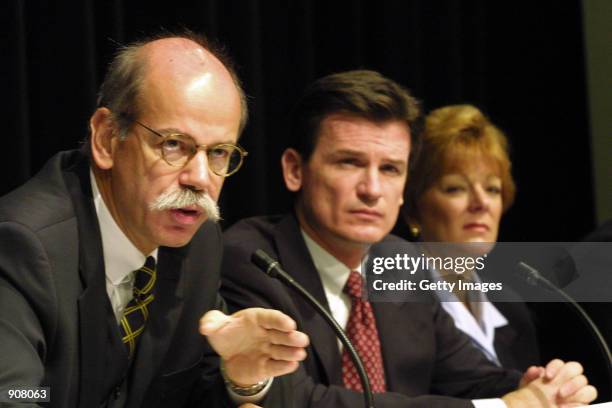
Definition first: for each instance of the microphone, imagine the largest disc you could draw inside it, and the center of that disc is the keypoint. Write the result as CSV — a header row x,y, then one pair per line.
x,y
533,277
273,269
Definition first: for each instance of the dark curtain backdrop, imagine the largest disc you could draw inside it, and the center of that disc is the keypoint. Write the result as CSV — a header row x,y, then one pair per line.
x,y
520,61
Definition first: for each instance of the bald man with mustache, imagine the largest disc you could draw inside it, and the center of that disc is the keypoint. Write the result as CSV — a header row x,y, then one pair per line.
x,y
110,257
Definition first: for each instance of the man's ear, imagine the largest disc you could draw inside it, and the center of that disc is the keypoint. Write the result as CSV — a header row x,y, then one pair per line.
x,y
102,128
292,164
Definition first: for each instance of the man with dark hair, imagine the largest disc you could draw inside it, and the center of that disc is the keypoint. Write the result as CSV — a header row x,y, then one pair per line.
x,y
347,165
366,94
110,260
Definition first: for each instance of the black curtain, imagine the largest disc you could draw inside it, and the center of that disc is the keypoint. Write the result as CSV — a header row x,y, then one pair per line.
x,y
522,62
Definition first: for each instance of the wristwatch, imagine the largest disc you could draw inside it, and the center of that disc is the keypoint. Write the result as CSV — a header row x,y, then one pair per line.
x,y
239,390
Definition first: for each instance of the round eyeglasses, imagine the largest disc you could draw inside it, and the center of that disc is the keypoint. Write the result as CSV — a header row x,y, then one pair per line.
x,y
177,149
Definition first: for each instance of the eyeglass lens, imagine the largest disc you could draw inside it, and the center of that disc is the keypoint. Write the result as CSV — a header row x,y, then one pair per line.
x,y
223,159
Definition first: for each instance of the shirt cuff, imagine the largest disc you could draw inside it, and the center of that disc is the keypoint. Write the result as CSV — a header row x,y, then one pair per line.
x,y
255,398
489,403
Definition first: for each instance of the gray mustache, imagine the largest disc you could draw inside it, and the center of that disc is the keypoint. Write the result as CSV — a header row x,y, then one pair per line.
x,y
183,197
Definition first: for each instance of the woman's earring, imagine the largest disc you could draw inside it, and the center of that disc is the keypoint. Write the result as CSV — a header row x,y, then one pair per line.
x,y
415,230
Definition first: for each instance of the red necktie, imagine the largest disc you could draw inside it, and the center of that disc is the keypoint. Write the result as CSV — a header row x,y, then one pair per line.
x,y
361,329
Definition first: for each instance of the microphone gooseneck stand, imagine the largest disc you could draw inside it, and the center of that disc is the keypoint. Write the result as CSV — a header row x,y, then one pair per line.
x,y
273,269
533,277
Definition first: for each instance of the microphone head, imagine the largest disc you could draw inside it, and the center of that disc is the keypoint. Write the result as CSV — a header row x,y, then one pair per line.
x,y
528,273
263,261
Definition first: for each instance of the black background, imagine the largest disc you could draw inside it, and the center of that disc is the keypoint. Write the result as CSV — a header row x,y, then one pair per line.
x,y
522,62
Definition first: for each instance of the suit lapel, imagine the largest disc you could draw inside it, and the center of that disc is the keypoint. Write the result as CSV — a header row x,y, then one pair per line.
x,y
506,336
165,312
92,313
92,326
295,258
391,321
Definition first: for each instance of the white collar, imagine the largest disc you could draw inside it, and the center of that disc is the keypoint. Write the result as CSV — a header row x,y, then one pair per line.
x,y
465,321
334,274
121,257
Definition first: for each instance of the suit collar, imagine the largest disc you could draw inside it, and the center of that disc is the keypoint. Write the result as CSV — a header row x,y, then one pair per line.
x,y
79,187
333,273
295,258
92,315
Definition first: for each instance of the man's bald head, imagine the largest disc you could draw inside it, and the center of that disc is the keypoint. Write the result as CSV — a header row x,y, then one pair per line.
x,y
163,58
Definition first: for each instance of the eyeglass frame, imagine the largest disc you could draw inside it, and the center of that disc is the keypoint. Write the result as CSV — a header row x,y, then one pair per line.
x,y
243,153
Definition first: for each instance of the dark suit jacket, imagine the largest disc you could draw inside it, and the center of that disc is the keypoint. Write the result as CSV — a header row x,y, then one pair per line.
x,y
54,307
516,344
422,350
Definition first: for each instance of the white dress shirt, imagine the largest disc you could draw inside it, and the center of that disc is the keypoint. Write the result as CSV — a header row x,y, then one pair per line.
x,y
121,257
334,275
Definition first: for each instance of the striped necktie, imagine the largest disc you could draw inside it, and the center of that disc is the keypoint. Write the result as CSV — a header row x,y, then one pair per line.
x,y
136,312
